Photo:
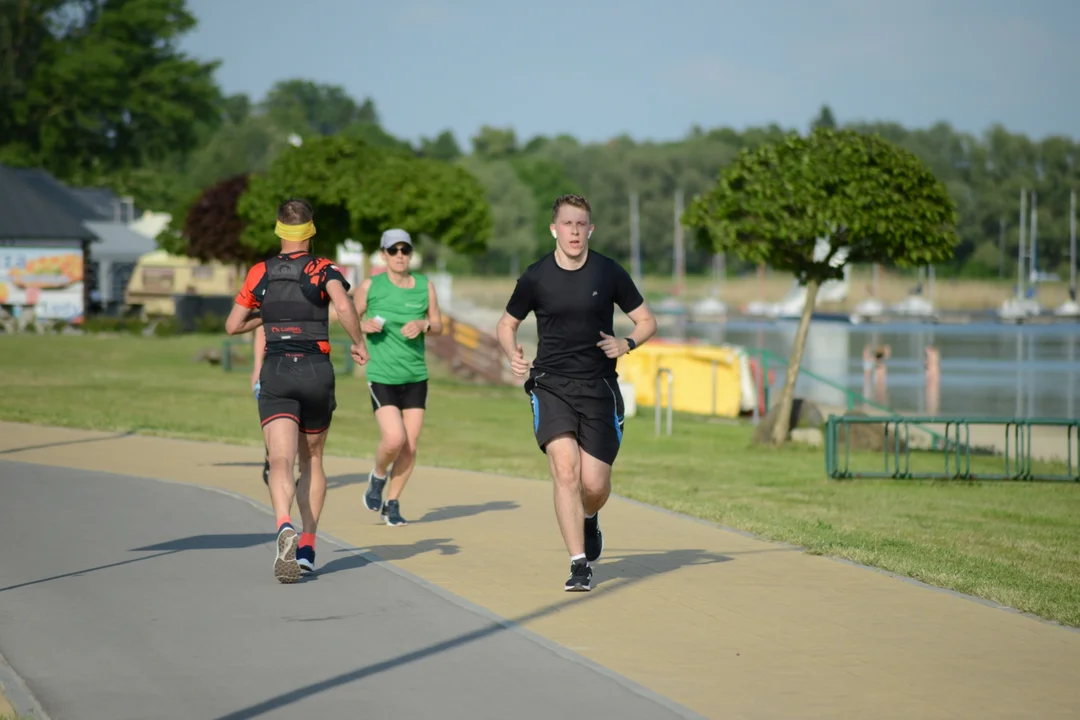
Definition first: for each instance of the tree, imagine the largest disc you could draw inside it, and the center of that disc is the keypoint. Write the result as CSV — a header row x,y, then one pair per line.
x,y
825,119
443,147
547,180
306,106
91,87
492,143
212,227
358,191
513,211
871,200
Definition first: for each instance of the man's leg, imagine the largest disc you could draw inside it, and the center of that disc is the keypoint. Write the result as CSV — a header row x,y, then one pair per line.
x,y
602,418
595,490
564,460
317,405
555,424
310,494
280,435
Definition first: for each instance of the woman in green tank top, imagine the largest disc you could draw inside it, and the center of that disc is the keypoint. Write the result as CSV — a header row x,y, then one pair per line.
x,y
397,308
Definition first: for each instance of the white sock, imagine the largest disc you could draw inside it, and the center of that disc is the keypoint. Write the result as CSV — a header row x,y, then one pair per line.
x,y
574,558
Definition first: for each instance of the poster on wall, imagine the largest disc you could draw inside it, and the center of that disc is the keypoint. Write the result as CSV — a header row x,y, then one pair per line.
x,y
47,280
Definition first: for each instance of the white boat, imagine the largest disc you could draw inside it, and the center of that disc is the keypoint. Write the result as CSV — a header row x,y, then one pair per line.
x,y
1069,308
1019,308
914,305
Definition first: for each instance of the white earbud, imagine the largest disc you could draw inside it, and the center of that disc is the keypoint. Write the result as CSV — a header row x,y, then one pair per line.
x,y
554,235
589,235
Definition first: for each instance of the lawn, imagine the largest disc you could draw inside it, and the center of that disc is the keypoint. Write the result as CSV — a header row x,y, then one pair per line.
x,y
1014,543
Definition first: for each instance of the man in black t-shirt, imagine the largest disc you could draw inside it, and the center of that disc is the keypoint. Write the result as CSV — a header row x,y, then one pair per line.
x,y
577,408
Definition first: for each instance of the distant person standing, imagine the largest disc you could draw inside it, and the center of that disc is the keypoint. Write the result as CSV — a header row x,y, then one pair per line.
x,y
933,380
397,307
293,292
577,408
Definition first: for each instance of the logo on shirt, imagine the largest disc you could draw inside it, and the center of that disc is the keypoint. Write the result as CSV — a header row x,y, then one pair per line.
x,y
594,293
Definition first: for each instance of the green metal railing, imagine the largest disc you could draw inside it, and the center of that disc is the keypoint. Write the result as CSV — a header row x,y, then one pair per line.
x,y
853,398
961,460
227,359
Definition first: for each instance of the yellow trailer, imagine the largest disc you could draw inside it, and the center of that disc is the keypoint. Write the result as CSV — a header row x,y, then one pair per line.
x,y
158,276
705,379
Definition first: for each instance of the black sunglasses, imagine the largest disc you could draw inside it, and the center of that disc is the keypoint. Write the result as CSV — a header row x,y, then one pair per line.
x,y
403,249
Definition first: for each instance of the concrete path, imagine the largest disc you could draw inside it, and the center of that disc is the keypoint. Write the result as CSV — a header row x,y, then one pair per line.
x,y
130,598
724,624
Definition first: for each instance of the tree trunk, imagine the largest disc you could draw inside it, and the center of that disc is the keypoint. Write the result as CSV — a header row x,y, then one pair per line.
x,y
787,397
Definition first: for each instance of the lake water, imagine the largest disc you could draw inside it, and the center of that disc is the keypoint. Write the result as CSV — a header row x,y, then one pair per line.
x,y
986,369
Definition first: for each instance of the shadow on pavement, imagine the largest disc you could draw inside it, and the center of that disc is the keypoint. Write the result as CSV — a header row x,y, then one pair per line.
x,y
633,573
454,512
351,559
117,436
240,541
232,541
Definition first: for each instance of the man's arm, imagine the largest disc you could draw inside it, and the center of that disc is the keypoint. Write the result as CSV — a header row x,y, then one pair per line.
x,y
346,312
627,295
241,321
644,325
506,332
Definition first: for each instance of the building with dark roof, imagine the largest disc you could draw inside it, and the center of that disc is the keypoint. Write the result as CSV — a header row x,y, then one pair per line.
x,y
45,221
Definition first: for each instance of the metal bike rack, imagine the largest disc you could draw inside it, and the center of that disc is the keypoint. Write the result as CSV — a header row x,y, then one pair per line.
x,y
670,392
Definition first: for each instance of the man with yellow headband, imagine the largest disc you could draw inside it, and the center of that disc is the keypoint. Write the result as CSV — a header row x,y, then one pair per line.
x,y
293,292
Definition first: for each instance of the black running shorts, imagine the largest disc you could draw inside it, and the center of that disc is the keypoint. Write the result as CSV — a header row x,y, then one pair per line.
x,y
300,388
407,396
590,409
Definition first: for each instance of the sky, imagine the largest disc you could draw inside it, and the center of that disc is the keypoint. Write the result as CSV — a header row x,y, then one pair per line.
x,y
653,69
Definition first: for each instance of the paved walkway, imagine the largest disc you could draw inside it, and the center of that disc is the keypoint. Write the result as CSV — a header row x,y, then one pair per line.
x,y
728,626
155,600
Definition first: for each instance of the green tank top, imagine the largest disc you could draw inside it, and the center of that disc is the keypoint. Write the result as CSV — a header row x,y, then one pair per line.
x,y
394,359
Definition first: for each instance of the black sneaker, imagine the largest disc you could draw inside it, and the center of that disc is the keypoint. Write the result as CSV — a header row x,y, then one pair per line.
x,y
391,513
580,579
373,496
594,539
305,558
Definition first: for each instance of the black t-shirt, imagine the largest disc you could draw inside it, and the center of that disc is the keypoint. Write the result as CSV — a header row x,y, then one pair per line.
x,y
572,307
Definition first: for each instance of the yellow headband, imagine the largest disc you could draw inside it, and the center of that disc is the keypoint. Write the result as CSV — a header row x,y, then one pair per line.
x,y
295,233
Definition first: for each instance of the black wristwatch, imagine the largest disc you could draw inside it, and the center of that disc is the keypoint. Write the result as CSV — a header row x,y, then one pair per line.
x,y
630,343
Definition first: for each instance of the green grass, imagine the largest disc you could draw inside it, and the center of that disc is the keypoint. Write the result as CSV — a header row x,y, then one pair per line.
x,y
1014,543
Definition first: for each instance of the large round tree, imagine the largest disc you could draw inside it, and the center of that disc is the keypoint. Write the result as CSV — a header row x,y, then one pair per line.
x,y
871,200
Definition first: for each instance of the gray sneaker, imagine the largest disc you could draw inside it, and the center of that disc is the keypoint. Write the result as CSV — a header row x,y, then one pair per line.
x,y
373,496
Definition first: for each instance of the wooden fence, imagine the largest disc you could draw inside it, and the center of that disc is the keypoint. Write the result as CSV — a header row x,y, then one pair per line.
x,y
470,352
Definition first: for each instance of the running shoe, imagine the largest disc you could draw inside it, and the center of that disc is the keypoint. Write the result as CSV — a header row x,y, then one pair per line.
x,y
391,513
305,558
373,496
594,539
286,569
580,579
